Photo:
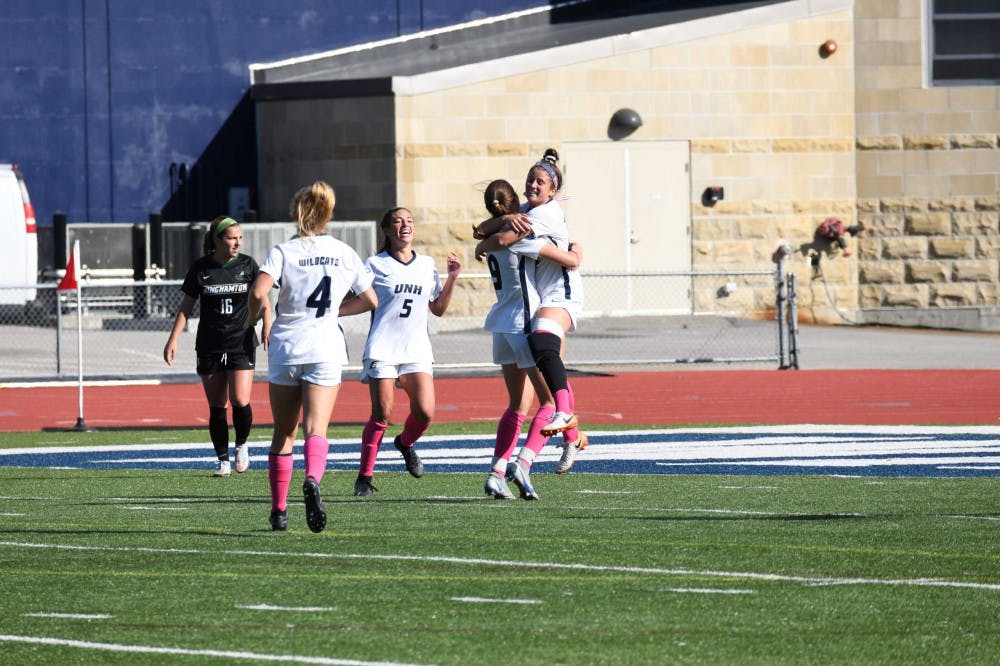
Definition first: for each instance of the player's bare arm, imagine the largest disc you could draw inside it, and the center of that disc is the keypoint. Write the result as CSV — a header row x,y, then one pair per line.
x,y
363,302
440,304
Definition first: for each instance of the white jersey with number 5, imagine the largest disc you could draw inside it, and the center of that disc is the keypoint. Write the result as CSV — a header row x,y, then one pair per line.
x,y
399,324
313,274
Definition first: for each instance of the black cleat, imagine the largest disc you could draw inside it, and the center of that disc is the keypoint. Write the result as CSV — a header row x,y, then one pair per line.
x,y
315,513
363,487
413,464
279,521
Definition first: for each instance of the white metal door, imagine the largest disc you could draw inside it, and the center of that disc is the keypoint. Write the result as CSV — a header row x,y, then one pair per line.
x,y
630,206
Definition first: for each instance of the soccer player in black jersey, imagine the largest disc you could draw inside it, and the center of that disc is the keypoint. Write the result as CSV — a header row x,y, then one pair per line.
x,y
226,342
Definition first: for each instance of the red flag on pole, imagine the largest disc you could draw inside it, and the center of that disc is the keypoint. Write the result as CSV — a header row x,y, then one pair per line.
x,y
71,280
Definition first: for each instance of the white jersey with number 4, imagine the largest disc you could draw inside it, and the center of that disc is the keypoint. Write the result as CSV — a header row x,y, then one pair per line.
x,y
399,324
313,274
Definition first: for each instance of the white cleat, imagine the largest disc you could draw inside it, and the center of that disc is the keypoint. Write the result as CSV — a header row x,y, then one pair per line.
x,y
560,421
222,468
242,459
570,450
496,487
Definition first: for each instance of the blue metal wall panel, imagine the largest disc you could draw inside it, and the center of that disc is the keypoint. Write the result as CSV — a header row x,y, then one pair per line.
x,y
99,98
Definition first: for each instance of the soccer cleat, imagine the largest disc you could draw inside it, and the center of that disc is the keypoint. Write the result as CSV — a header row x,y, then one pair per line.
x,y
413,464
279,521
242,459
363,487
315,513
222,468
519,476
560,421
569,454
496,487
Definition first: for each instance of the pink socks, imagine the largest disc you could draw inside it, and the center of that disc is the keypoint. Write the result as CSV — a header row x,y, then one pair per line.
x,y
412,430
316,449
279,476
536,440
371,440
508,432
573,434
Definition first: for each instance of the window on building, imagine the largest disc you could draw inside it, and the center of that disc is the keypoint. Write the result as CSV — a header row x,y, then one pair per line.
x,y
965,42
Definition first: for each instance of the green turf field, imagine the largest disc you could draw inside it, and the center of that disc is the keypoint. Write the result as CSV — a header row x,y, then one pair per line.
x,y
125,567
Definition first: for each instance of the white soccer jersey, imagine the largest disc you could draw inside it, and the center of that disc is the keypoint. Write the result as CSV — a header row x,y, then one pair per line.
x,y
515,304
313,273
399,324
556,285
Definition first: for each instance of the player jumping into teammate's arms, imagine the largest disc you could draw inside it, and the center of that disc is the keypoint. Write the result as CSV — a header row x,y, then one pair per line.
x,y
398,349
320,279
509,321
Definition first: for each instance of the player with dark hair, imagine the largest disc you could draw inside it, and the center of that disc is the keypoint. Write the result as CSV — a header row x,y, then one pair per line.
x,y
560,294
226,342
398,349
509,320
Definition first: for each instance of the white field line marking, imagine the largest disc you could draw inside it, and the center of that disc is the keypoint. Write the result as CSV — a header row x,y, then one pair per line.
x,y
297,609
991,468
748,575
225,654
606,492
705,590
484,600
834,462
71,616
11,515
155,508
960,517
748,488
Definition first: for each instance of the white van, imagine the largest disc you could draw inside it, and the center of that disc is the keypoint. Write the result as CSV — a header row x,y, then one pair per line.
x,y
18,239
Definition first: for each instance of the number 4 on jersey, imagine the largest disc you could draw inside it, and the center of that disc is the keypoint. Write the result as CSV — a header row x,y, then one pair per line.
x,y
320,298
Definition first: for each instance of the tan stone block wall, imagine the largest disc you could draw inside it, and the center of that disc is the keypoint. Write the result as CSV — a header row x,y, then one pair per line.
x,y
767,117
928,158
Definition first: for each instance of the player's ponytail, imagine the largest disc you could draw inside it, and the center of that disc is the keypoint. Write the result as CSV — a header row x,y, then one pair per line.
x,y
312,208
208,241
501,199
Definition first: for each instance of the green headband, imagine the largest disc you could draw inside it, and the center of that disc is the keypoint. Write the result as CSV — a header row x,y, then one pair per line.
x,y
224,224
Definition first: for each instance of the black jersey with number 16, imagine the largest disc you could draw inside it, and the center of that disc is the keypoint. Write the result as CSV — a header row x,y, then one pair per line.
x,y
222,291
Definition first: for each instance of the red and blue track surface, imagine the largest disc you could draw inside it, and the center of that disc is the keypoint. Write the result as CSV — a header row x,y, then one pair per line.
x,y
852,422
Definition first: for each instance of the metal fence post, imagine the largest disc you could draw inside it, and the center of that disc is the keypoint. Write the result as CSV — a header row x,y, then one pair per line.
x,y
139,300
793,323
156,240
58,332
780,297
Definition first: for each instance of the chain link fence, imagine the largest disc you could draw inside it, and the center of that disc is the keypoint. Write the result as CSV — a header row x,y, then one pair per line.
x,y
630,320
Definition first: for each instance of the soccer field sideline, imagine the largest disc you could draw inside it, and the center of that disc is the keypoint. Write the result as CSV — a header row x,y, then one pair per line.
x,y
936,451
